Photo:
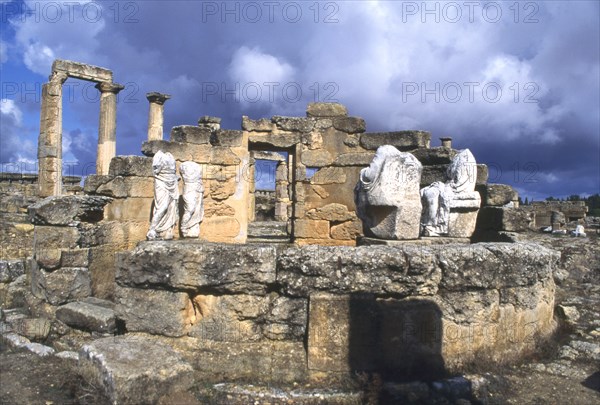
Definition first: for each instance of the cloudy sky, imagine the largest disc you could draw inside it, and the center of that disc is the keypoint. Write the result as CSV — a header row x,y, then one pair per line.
x,y
516,82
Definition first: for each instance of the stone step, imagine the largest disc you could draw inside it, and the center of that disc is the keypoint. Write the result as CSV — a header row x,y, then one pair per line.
x,y
268,229
95,315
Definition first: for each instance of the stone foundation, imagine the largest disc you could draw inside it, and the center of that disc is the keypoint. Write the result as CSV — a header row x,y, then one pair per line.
x,y
310,313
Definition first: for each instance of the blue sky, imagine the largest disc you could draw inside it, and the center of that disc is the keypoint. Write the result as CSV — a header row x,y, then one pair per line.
x,y
516,82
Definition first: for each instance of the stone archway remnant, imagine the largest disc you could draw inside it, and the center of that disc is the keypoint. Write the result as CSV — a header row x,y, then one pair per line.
x,y
50,138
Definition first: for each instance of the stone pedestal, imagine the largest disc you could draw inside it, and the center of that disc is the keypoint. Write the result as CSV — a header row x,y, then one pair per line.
x,y
155,115
463,215
107,146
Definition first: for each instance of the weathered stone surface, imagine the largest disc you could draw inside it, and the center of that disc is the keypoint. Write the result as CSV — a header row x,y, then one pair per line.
x,y
504,219
192,265
326,110
331,212
93,181
127,186
220,229
371,269
181,151
320,191
87,316
248,318
10,270
190,134
387,195
340,334
349,230
218,209
350,125
15,294
222,190
435,156
221,155
260,125
227,137
276,361
433,173
315,229
134,370
61,286
402,140
316,158
495,265
295,124
75,258
329,175
354,159
36,329
49,241
278,140
412,270
498,195
154,311
140,166
68,210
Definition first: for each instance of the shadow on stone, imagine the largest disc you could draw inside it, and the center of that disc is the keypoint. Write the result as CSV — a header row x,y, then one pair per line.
x,y
401,339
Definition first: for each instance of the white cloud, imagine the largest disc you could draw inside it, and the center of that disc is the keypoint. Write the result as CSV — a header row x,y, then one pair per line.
x,y
251,65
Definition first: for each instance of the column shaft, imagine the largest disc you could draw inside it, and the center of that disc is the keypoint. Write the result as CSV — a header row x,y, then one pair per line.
x,y
50,139
107,127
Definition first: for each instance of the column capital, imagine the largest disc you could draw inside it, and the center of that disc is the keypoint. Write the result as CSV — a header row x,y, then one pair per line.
x,y
107,87
59,77
157,98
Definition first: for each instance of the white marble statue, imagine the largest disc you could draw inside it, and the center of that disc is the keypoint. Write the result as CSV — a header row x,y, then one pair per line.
x,y
166,197
387,195
458,191
579,231
193,199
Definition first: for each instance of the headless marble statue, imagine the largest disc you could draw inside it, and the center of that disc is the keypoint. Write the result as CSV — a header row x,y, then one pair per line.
x,y
166,197
387,195
458,191
193,199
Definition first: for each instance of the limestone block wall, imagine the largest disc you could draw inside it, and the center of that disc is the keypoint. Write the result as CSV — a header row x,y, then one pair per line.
x,y
313,312
67,235
17,192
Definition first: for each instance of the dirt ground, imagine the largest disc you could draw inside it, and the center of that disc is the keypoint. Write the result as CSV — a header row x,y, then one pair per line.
x,y
567,371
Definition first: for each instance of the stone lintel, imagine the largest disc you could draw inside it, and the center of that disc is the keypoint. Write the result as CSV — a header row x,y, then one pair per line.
x,y
157,98
82,71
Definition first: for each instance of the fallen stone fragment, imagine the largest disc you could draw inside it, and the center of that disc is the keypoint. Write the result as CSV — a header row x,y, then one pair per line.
x,y
86,316
134,369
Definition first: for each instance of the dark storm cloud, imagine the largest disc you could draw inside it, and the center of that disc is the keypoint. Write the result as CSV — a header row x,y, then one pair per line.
x,y
389,62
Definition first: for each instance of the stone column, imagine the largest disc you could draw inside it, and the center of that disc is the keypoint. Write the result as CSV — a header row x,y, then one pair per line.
x,y
282,197
155,116
446,142
50,139
107,128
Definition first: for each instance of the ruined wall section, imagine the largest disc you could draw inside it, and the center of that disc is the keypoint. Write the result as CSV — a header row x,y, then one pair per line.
x,y
573,211
17,192
224,157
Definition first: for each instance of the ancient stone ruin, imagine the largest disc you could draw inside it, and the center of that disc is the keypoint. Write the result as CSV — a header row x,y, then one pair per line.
x,y
223,302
